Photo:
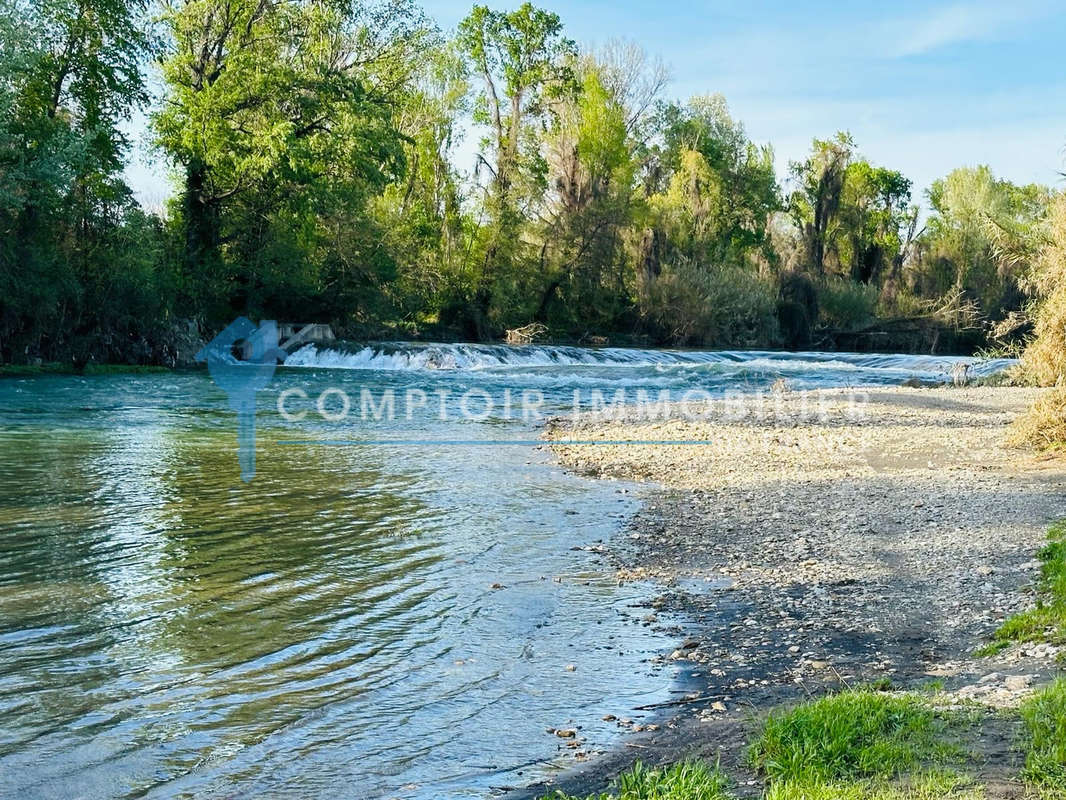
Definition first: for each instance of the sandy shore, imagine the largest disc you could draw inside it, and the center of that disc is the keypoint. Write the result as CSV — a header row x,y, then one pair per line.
x,y
824,539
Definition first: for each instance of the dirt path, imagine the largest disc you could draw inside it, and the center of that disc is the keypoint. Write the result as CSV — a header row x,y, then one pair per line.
x,y
824,539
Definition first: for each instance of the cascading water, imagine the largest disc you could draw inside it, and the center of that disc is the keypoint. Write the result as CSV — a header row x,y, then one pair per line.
x,y
398,356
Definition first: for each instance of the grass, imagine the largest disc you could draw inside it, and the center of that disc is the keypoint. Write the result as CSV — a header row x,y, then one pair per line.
x,y
855,745
1043,425
1045,721
688,780
853,735
1047,621
927,786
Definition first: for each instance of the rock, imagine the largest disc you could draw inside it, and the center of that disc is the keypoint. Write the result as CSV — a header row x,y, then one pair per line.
x,y
566,733
1017,683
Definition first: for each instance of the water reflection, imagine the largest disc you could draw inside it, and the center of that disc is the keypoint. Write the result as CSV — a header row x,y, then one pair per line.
x,y
166,629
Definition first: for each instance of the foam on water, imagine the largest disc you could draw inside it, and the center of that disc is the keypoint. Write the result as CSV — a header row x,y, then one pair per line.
x,y
403,356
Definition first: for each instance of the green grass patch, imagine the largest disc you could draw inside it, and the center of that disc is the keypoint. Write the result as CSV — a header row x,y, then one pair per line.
x,y
926,786
1047,621
856,745
1045,721
688,780
853,735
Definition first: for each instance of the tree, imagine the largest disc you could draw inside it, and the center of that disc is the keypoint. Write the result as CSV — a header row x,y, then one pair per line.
x,y
278,110
421,217
874,211
589,206
853,216
819,190
525,67
525,63
69,75
969,243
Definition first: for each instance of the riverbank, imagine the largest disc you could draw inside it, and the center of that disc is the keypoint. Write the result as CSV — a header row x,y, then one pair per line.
x,y
824,540
64,368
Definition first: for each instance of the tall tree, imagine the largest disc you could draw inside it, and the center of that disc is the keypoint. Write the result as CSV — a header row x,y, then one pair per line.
x,y
525,67
967,247
273,107
69,76
819,190
524,63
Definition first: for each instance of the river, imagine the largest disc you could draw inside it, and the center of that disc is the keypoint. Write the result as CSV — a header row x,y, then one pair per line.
x,y
401,603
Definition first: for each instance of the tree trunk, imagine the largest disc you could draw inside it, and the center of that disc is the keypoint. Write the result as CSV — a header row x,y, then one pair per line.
x,y
201,222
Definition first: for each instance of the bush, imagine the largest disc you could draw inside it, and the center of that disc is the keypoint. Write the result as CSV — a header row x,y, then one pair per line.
x,y
711,306
1044,360
845,304
1043,426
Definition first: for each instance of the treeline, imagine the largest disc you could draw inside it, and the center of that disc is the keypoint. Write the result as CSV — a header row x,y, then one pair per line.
x,y
312,145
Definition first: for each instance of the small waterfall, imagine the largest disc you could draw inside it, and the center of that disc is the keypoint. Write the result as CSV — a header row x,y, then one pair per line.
x,y
401,356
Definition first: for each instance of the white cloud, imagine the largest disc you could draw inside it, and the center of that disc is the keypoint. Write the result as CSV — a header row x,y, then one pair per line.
x,y
958,23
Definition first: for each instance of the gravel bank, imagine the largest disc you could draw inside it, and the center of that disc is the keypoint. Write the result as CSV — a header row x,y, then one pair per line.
x,y
818,539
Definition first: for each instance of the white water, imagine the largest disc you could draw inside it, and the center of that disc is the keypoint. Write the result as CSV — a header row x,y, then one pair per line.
x,y
402,356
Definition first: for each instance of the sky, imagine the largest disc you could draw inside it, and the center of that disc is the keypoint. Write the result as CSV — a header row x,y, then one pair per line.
x,y
922,87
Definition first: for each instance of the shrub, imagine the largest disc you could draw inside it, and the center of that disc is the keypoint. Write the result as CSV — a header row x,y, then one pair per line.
x,y
846,304
712,306
1043,425
1044,360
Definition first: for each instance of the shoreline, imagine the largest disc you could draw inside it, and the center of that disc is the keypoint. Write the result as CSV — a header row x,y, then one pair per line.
x,y
799,554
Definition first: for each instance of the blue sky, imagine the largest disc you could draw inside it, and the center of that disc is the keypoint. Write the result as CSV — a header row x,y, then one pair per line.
x,y
922,87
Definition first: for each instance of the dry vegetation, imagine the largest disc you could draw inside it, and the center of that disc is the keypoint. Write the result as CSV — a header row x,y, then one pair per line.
x,y
1044,360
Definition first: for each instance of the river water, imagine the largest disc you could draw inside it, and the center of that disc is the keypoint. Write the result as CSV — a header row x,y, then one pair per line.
x,y
393,607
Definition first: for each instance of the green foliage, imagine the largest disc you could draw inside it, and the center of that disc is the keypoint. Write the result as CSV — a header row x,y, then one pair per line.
x,y
855,734
77,257
937,785
1047,621
743,168
977,237
687,780
696,305
1045,721
281,116
853,215
313,145
846,304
